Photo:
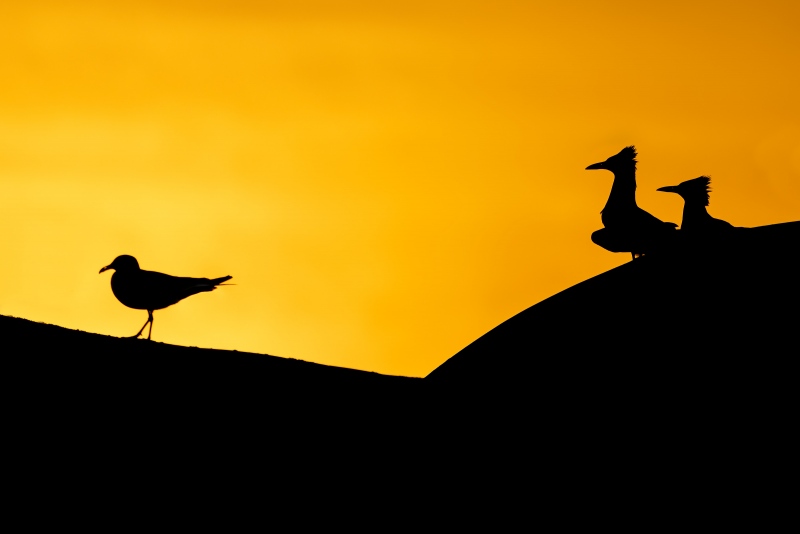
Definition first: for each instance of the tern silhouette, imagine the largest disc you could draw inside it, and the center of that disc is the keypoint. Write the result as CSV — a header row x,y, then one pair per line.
x,y
696,219
150,290
628,228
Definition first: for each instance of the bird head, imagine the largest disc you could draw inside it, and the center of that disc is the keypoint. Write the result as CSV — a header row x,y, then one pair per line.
x,y
625,159
696,189
122,263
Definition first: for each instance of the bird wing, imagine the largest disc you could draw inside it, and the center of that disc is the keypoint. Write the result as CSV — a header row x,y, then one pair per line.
x,y
650,221
151,290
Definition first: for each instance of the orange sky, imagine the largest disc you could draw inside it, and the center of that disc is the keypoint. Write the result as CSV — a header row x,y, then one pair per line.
x,y
385,184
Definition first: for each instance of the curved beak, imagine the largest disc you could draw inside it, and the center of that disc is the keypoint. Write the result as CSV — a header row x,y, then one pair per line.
x,y
593,166
107,267
668,189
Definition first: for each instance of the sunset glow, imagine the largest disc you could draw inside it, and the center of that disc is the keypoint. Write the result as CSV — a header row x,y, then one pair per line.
x,y
384,184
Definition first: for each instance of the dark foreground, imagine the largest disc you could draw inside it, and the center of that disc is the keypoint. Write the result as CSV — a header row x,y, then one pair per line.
x,y
663,386
75,383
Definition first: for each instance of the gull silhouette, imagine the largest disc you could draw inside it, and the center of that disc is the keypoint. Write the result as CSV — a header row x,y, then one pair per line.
x,y
150,290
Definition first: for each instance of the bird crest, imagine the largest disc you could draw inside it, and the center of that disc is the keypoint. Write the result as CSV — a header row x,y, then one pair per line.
x,y
626,155
696,188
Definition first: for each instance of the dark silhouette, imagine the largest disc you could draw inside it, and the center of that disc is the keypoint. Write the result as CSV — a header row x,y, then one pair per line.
x,y
628,228
638,369
150,290
163,407
696,219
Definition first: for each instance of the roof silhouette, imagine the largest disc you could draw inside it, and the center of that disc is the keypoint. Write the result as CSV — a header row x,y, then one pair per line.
x,y
695,194
642,317
628,228
670,372
150,290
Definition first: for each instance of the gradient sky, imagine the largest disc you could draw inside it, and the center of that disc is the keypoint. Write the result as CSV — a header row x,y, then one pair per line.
x,y
385,181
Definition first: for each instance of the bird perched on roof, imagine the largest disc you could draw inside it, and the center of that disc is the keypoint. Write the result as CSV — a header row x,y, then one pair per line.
x,y
696,219
150,290
628,228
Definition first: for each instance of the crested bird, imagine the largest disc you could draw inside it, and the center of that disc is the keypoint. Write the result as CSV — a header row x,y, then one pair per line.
x,y
150,290
628,228
696,219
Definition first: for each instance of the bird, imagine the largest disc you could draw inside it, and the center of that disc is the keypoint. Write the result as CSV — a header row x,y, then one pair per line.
x,y
696,219
151,290
627,227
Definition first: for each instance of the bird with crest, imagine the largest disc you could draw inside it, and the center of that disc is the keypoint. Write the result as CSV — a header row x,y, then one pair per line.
x,y
696,219
627,227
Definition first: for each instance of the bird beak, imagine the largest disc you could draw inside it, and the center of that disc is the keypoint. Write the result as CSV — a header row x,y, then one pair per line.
x,y
668,189
593,166
107,267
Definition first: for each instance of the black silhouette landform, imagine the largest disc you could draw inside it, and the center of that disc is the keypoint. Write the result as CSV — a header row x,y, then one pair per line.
x,y
150,290
628,228
677,318
73,390
106,374
673,373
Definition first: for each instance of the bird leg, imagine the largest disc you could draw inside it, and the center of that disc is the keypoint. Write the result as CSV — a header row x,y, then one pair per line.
x,y
149,320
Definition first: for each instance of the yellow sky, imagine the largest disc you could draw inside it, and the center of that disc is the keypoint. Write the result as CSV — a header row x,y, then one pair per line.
x,y
385,184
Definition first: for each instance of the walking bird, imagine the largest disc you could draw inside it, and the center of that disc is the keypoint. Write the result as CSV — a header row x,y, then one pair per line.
x,y
150,290
628,228
696,219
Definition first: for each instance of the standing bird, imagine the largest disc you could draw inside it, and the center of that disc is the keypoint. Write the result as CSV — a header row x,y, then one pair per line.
x,y
696,219
628,228
149,290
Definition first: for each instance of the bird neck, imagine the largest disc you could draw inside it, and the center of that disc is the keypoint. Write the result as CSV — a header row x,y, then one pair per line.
x,y
623,190
694,213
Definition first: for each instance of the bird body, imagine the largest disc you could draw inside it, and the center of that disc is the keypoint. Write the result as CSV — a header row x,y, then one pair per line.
x,y
628,228
696,219
150,290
